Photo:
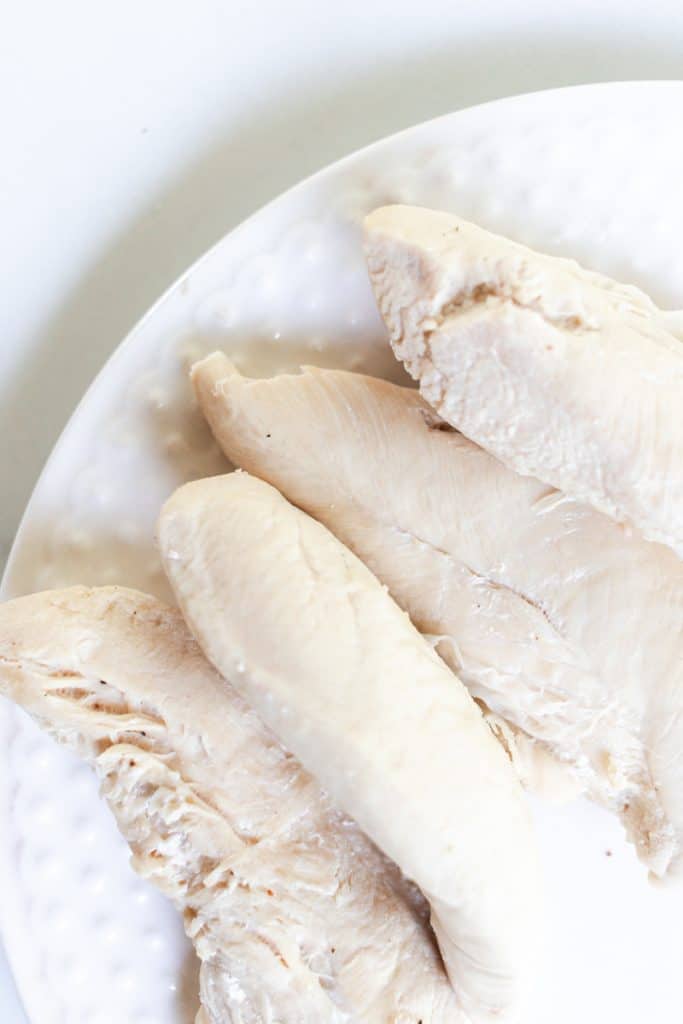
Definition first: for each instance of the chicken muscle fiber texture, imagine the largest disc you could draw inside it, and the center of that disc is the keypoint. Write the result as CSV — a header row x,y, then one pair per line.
x,y
295,915
339,673
561,621
561,373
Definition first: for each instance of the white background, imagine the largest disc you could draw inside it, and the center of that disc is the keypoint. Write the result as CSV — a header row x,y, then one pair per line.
x,y
135,134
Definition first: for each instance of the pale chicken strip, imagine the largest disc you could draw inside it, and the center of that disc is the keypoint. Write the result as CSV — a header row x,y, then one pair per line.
x,y
561,621
339,673
561,373
295,915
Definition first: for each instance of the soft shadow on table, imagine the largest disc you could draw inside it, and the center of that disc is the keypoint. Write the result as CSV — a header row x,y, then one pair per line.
x,y
274,148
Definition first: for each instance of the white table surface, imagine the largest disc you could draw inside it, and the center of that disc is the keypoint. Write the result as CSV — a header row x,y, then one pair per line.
x,y
135,134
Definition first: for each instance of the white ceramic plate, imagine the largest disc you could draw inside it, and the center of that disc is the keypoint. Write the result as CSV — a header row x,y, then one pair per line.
x,y
593,172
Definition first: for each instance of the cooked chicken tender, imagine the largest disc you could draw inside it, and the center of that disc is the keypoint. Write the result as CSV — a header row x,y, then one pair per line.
x,y
562,622
313,641
295,915
561,373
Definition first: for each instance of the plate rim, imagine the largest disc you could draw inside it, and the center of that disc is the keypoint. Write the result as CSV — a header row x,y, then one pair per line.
x,y
15,947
